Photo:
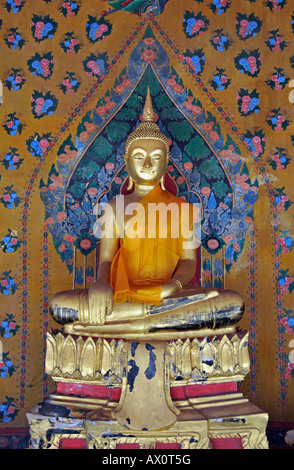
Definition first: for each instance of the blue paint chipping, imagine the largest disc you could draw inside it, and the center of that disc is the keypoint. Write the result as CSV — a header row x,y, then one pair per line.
x,y
169,304
151,369
133,348
132,374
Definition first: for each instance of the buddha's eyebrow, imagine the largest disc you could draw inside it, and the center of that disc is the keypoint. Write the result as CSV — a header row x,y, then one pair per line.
x,y
138,150
157,152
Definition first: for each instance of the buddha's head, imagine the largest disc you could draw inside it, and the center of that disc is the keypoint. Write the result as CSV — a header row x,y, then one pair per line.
x,y
147,150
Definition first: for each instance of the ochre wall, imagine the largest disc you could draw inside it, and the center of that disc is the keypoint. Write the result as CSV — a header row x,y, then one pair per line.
x,y
36,265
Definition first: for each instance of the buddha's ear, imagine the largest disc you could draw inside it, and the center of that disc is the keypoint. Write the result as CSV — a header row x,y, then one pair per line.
x,y
126,159
130,185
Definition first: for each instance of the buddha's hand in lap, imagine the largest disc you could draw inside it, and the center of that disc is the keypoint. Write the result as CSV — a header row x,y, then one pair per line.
x,y
168,290
100,302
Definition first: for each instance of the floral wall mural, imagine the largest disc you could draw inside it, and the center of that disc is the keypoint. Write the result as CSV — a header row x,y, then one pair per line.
x,y
74,78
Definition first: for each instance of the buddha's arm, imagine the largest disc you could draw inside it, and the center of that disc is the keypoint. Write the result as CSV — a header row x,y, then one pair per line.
x,y
100,294
184,273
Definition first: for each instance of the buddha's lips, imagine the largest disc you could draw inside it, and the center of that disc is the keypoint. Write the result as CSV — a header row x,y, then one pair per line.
x,y
147,171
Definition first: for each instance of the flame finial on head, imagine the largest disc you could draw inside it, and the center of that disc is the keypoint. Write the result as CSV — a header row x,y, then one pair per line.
x,y
148,113
147,128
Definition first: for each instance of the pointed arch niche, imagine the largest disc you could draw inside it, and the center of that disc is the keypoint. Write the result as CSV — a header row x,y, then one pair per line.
x,y
206,167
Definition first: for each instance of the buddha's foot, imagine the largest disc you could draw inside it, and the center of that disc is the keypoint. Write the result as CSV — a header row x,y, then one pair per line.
x,y
182,299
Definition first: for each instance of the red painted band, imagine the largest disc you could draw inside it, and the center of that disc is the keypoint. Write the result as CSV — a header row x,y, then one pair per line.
x,y
77,443
201,390
226,443
89,390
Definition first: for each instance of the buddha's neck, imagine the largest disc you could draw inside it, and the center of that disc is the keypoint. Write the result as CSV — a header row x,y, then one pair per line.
x,y
141,190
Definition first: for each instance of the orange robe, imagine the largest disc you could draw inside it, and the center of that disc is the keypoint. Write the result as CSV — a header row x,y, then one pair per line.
x,y
146,261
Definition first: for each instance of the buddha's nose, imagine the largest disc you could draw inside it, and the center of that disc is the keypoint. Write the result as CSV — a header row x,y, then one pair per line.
x,y
147,162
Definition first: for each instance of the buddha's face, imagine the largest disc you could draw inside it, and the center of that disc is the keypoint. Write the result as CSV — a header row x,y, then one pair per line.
x,y
147,161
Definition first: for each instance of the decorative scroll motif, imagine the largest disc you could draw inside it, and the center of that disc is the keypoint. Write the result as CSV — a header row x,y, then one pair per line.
x,y
139,6
191,441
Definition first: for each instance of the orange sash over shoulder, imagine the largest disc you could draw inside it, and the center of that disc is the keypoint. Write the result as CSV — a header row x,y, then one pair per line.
x,y
151,247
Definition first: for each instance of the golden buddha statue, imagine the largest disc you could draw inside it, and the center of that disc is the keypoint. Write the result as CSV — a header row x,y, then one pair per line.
x,y
142,286
142,333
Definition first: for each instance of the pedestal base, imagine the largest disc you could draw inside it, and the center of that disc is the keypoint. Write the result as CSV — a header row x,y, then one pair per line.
x,y
232,423
116,394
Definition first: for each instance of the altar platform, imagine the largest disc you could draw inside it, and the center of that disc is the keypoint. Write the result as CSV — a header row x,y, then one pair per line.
x,y
197,379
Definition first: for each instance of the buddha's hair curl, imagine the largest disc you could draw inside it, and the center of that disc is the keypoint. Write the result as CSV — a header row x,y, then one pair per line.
x,y
147,130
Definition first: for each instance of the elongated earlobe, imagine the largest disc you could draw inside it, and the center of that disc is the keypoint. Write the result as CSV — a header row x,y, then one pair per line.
x,y
130,185
161,182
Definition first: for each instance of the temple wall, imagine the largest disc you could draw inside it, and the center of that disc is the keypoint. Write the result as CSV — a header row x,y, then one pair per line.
x,y
33,261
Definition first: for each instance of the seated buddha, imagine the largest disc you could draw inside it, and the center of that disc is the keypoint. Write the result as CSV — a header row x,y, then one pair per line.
x,y
143,281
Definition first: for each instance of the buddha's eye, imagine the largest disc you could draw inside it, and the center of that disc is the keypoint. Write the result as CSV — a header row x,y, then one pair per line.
x,y
138,157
